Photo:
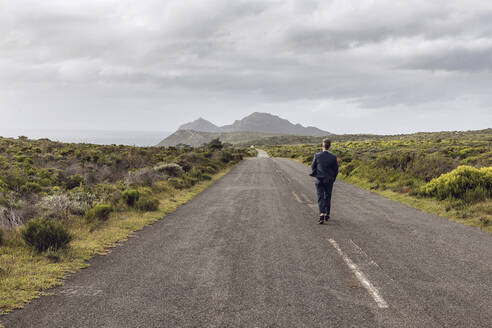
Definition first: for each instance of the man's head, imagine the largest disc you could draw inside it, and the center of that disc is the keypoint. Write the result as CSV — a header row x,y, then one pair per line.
x,y
326,144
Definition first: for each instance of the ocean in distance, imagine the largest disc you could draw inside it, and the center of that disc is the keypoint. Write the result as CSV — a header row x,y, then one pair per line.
x,y
133,138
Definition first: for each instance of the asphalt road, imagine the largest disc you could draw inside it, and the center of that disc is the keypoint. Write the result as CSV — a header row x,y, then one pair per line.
x,y
248,252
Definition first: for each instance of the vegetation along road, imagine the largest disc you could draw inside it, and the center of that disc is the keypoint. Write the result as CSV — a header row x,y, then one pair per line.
x,y
248,252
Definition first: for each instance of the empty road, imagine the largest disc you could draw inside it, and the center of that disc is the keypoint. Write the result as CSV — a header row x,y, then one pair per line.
x,y
248,252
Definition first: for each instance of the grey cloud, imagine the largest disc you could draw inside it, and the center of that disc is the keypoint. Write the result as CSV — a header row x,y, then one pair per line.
x,y
459,59
248,53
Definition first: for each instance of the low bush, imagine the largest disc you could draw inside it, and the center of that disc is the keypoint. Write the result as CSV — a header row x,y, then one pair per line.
x,y
170,169
431,166
31,187
130,196
56,206
464,183
145,204
3,186
485,222
99,213
226,157
146,176
44,234
215,144
176,183
195,172
189,181
74,181
80,202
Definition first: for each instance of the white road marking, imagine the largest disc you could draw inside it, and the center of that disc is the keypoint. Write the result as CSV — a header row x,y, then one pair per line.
x,y
297,197
373,291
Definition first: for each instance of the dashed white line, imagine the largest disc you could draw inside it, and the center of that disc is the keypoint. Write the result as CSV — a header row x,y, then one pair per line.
x,y
373,291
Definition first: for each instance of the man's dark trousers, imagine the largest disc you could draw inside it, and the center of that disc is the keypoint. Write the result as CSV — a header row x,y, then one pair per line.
x,y
325,170
324,190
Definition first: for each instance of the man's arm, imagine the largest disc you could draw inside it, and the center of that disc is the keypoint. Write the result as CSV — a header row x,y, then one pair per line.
x,y
314,165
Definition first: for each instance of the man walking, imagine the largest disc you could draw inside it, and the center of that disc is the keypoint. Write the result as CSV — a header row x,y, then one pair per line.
x,y
325,170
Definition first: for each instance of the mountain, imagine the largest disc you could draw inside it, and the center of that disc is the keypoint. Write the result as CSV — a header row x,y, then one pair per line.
x,y
253,127
198,138
256,122
200,125
268,123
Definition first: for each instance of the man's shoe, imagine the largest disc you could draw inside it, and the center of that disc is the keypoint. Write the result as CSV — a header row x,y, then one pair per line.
x,y
327,217
321,221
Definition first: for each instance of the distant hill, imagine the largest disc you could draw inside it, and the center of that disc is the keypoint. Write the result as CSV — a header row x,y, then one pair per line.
x,y
252,127
198,138
200,125
256,122
268,123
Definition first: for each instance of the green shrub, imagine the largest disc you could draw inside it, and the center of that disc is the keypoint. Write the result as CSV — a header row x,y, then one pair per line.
x,y
99,213
226,157
189,181
171,169
464,183
431,166
31,188
130,196
195,172
485,222
185,164
395,161
215,144
44,234
1,237
145,204
177,183
347,169
3,186
74,181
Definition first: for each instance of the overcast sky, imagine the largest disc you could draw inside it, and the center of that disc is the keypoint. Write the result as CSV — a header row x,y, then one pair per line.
x,y
343,66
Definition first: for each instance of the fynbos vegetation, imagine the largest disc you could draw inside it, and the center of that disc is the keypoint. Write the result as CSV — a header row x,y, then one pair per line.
x,y
41,178
62,203
453,169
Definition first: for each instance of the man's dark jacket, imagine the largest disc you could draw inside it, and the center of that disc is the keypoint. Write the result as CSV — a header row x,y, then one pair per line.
x,y
325,167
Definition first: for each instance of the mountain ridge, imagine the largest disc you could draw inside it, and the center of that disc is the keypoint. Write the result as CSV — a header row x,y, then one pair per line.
x,y
256,122
252,127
